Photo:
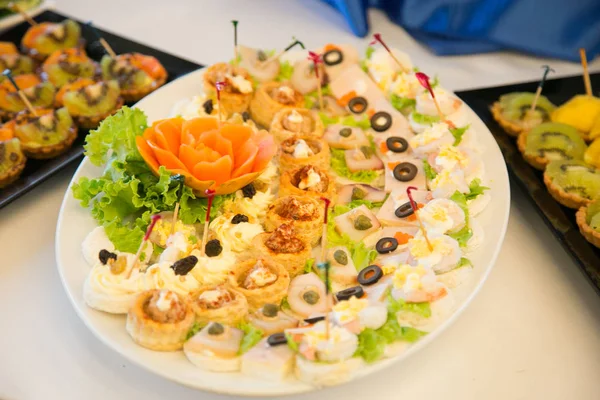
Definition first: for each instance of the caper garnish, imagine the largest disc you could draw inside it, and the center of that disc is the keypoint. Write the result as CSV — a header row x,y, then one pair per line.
x,y
358,193
311,297
119,265
262,56
362,223
270,310
367,151
341,257
345,132
216,329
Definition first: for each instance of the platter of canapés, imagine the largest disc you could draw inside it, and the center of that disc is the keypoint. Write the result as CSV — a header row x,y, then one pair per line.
x,y
284,221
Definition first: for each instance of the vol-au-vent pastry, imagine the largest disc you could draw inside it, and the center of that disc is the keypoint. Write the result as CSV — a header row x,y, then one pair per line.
x,y
303,212
272,97
302,150
160,320
219,304
284,247
307,180
215,348
291,122
588,220
260,281
237,93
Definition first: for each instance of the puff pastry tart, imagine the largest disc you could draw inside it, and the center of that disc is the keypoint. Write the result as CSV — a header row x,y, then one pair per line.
x,y
290,122
237,94
303,150
303,212
260,281
283,247
270,98
219,304
307,180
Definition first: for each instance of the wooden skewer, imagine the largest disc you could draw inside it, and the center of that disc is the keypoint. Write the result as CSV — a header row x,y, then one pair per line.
x,y
219,86
210,194
415,208
235,43
316,59
174,220
153,222
378,38
102,41
17,8
586,73
7,73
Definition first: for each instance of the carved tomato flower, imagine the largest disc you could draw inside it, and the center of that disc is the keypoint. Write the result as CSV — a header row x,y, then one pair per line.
x,y
223,159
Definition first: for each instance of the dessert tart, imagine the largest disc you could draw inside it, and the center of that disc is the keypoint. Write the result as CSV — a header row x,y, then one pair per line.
x,y
89,102
271,319
260,281
160,320
17,63
50,133
65,66
283,247
302,150
40,95
215,348
290,122
237,93
219,304
572,183
303,212
513,112
588,220
137,74
549,142
580,112
45,38
307,180
270,98
12,161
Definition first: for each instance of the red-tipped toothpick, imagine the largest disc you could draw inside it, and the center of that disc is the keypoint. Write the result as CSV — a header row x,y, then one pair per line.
x,y
153,220
220,86
415,208
316,59
586,73
324,264
424,81
295,43
538,92
210,194
378,39
17,8
7,73
102,41
235,43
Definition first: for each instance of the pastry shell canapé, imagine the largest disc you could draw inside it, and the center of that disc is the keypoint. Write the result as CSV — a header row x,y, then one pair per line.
x,y
225,305
303,212
318,147
289,122
232,100
270,98
272,292
291,182
39,149
586,230
283,247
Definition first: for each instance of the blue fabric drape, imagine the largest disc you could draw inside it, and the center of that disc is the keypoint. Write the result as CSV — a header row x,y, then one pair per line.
x,y
550,28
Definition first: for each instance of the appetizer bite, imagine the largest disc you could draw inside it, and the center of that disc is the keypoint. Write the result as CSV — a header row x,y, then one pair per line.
x,y
588,220
260,281
290,122
215,348
12,159
259,63
137,74
45,38
40,95
308,180
572,183
580,112
219,304
236,94
271,359
272,97
18,64
513,112
303,212
270,319
66,66
283,247
302,150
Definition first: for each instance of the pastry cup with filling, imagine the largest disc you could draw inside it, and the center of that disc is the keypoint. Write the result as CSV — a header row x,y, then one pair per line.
x,y
307,181
40,95
260,281
47,135
550,142
219,304
572,183
290,122
303,150
137,74
588,220
272,97
17,63
45,38
12,161
65,66
237,93
512,112
283,247
160,320
303,212
90,102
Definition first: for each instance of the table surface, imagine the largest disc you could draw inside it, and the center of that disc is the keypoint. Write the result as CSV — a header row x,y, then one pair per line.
x,y
531,333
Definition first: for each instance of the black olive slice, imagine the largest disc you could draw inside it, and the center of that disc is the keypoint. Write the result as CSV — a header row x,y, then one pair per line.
x,y
213,248
356,291
405,171
370,275
358,105
381,121
386,245
277,339
333,57
314,320
185,265
105,255
396,144
405,210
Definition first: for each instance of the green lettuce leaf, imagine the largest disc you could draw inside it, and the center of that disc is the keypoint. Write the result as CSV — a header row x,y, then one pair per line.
x,y
430,174
364,123
424,119
339,166
252,335
369,52
292,344
370,346
367,203
458,134
285,71
308,266
475,189
464,262
462,236
435,82
394,306
311,99
403,104
193,330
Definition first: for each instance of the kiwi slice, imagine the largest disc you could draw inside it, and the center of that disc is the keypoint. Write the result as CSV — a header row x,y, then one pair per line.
x,y
64,36
128,76
97,99
41,95
516,106
46,130
11,157
62,73
575,177
554,141
17,63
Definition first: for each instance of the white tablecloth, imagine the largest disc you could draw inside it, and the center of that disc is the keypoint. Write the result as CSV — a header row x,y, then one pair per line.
x,y
531,333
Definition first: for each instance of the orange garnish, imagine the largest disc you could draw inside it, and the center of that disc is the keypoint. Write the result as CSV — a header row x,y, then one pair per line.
x,y
343,101
370,112
329,47
383,147
8,48
24,81
148,64
392,165
74,55
224,159
71,87
7,131
402,237
412,217
33,32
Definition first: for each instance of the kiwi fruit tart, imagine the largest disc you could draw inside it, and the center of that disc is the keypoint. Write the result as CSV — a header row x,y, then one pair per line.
x,y
588,220
47,134
40,94
513,112
549,142
65,66
572,183
137,74
45,38
89,102
17,63
12,161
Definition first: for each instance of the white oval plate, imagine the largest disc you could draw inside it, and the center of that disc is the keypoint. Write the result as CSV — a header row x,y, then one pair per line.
x,y
75,222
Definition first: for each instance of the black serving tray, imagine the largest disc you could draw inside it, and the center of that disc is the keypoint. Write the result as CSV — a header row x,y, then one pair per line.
x,y
37,171
560,220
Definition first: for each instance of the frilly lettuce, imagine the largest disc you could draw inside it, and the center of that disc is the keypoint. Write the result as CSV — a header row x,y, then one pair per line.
x,y
285,71
361,255
252,336
339,166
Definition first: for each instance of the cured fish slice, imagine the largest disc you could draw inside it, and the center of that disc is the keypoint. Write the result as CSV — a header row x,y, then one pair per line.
x,y
219,171
236,134
246,157
165,158
168,135
146,152
266,150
